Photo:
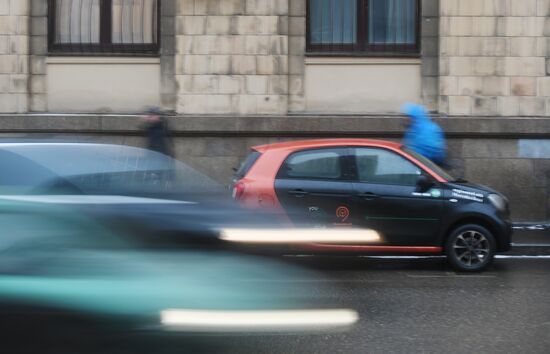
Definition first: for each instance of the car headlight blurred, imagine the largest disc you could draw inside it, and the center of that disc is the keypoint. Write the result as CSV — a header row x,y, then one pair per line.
x,y
287,236
256,321
498,202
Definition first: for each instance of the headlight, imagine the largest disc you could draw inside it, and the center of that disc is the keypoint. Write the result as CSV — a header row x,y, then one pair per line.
x,y
498,201
286,236
256,321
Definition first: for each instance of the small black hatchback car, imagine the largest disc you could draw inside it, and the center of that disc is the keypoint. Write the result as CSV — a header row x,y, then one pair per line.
x,y
415,206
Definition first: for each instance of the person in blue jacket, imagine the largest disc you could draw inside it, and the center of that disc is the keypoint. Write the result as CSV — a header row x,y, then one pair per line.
x,y
423,135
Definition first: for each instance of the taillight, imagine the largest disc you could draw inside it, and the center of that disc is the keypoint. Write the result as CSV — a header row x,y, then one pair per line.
x,y
238,190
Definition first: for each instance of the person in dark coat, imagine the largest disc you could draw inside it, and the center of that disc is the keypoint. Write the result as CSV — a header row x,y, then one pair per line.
x,y
158,134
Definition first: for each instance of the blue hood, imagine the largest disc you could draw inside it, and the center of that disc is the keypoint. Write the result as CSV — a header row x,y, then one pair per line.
x,y
424,136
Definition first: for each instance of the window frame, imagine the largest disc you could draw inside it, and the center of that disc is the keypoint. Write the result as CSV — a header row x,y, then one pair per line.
x,y
362,47
355,167
105,47
344,159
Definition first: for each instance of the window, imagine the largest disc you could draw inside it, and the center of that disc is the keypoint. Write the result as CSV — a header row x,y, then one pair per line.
x,y
385,167
386,27
313,164
20,175
247,164
103,26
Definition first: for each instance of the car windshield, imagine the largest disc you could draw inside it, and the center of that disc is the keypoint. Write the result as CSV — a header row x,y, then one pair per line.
x,y
430,164
101,169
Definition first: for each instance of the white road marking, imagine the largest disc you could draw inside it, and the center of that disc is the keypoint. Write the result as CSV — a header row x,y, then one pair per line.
x,y
450,276
498,256
530,244
501,256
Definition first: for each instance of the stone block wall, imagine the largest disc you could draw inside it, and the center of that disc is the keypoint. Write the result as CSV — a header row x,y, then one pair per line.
x,y
296,56
429,51
38,33
14,53
232,56
493,57
168,94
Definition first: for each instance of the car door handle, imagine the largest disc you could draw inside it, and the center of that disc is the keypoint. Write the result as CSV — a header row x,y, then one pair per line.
x,y
298,193
367,196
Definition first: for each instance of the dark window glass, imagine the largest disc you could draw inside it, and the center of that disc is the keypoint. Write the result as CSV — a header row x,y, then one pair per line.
x,y
363,26
314,164
247,164
385,167
19,174
134,21
392,21
103,26
333,21
111,169
430,164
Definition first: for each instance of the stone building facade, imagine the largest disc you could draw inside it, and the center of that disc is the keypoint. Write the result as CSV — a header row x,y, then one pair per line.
x,y
494,58
14,55
236,73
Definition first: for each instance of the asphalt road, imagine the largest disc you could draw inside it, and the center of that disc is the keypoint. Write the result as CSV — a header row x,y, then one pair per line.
x,y
420,305
406,305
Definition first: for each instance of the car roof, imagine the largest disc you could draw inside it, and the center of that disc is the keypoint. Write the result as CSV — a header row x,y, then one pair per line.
x,y
6,143
314,143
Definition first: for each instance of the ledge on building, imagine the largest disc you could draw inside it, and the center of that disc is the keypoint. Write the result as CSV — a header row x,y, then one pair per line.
x,y
383,126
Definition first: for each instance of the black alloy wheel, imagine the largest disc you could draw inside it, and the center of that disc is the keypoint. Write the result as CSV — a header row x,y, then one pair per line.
x,y
470,248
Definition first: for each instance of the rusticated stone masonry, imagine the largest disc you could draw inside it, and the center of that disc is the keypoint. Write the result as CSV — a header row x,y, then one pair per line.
x,y
493,57
14,52
232,56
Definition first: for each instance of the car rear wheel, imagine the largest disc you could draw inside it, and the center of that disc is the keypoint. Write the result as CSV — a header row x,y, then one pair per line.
x,y
470,248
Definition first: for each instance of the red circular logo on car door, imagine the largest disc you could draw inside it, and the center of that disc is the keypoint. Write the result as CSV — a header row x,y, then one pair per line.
x,y
342,213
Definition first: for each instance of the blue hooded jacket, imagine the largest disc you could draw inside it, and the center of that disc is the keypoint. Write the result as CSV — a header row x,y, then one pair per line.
x,y
424,136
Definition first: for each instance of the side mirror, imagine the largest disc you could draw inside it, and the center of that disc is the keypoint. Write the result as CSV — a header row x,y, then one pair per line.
x,y
423,183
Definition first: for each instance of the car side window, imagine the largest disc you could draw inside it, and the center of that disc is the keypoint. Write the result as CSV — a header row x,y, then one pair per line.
x,y
382,166
314,164
20,174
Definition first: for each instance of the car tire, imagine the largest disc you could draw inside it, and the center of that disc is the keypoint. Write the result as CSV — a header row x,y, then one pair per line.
x,y
470,248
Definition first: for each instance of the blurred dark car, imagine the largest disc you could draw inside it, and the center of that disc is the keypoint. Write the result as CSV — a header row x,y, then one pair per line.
x,y
149,194
87,252
65,279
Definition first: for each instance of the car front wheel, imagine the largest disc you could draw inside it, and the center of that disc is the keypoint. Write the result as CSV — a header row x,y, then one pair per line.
x,y
470,248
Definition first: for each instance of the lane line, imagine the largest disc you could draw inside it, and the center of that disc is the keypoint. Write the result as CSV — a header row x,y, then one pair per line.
x,y
451,276
530,244
498,256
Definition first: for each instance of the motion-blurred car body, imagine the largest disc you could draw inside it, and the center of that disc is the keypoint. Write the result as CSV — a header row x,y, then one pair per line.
x,y
79,222
63,273
415,205
160,199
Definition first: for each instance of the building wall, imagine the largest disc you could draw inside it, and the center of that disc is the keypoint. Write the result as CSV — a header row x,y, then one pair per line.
x,y
117,84
232,56
102,84
361,85
429,53
493,57
249,57
14,53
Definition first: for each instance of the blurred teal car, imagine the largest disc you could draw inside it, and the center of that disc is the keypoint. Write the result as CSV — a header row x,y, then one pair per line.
x,y
62,273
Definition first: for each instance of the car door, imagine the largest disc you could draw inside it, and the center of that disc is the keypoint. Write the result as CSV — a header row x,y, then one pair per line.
x,y
388,200
314,187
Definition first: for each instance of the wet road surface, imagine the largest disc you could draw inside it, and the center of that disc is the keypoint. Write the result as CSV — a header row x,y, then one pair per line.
x,y
406,305
420,305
